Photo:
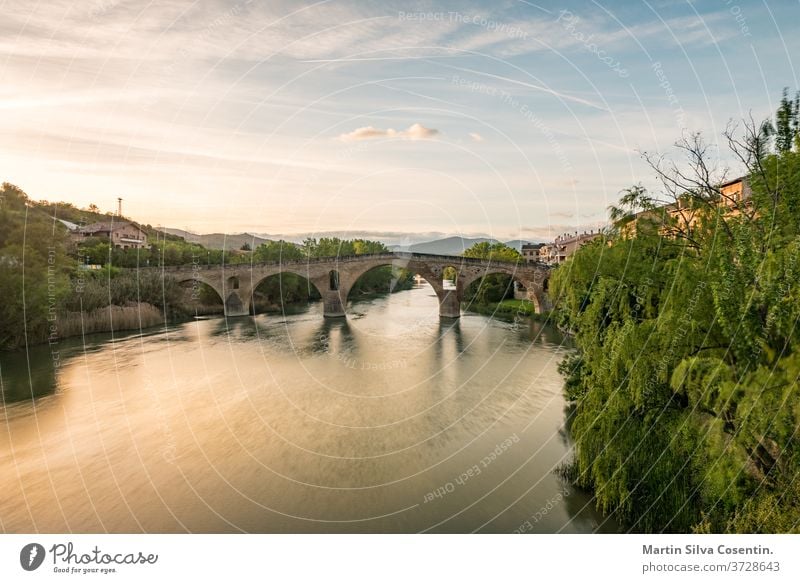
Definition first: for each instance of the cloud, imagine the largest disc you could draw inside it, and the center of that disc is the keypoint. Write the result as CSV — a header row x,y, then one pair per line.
x,y
416,131
476,137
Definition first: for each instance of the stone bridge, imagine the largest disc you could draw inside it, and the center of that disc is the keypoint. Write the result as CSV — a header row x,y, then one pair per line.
x,y
334,277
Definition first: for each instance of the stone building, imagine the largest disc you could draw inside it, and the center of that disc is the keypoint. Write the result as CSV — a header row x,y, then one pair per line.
x,y
564,246
123,234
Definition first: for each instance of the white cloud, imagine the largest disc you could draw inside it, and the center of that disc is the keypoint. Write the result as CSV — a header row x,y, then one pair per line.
x,y
416,131
476,137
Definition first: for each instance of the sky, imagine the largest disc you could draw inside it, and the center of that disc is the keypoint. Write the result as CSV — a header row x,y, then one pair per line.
x,y
399,120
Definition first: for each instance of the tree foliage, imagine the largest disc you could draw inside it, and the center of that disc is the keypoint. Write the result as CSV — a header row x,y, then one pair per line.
x,y
686,378
34,270
786,126
493,251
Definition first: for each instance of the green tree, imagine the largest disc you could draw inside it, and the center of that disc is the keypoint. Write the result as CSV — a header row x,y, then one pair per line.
x,y
786,126
493,251
34,270
172,254
685,380
277,251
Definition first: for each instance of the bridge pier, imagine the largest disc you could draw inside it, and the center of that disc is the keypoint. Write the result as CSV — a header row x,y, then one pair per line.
x,y
541,301
536,292
332,304
235,306
449,306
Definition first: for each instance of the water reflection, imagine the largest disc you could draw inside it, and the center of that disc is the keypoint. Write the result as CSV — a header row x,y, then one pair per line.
x,y
294,423
19,381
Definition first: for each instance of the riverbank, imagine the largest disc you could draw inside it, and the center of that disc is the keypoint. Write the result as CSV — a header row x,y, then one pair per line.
x,y
510,309
129,317
132,316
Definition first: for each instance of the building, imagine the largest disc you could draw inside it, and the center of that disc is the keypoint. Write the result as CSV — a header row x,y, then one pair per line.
x,y
548,253
736,192
120,234
565,246
734,195
530,252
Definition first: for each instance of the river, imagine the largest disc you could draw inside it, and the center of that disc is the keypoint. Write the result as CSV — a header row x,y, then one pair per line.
x,y
388,421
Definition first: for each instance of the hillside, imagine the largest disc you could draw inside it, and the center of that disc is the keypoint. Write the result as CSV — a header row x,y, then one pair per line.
x,y
219,241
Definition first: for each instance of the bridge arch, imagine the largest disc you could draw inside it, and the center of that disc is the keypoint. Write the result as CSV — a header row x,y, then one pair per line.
x,y
447,298
197,290
359,278
232,290
298,287
214,285
532,284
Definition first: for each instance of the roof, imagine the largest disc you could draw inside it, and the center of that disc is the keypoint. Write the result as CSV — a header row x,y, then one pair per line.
x,y
69,225
734,181
109,226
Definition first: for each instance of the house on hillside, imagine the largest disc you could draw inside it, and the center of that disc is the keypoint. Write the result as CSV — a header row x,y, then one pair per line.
x,y
122,234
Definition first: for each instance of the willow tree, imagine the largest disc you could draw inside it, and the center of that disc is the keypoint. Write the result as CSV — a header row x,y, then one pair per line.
x,y
685,381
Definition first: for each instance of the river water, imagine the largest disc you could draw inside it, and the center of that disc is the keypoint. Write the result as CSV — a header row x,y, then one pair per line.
x,y
388,421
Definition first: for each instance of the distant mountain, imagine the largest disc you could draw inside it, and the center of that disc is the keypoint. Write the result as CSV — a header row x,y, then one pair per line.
x,y
453,245
219,240
518,243
447,246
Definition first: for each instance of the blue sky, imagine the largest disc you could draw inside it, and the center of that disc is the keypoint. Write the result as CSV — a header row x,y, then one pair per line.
x,y
510,119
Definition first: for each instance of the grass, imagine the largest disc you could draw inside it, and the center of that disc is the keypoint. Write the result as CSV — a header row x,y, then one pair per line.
x,y
521,307
509,309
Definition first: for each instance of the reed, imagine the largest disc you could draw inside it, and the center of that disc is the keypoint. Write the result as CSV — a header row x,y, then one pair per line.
x,y
131,316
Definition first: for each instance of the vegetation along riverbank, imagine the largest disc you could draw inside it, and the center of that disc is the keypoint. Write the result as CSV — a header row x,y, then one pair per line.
x,y
685,381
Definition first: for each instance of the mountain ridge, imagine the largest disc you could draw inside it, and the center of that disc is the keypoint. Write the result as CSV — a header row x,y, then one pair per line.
x,y
453,245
